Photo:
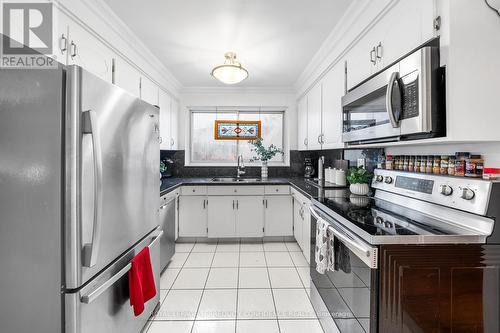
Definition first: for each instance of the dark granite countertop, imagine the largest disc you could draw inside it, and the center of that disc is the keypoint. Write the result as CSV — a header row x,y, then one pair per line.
x,y
170,184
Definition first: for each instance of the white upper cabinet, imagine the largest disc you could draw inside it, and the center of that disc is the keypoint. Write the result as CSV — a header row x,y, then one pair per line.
x,y
127,77
314,106
164,102
408,25
333,90
174,125
85,50
302,122
149,91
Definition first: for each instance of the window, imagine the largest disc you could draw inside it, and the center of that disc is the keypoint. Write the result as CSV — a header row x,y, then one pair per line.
x,y
204,149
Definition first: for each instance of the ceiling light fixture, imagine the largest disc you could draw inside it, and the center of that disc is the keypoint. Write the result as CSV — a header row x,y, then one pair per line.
x,y
231,71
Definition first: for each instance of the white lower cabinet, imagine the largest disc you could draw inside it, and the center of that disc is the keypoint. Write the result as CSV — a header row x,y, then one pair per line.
x,y
297,222
306,231
235,216
249,216
221,217
278,215
192,216
302,223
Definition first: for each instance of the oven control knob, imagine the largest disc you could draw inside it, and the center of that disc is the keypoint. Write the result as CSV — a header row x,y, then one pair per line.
x,y
467,194
446,190
379,220
388,180
388,224
379,178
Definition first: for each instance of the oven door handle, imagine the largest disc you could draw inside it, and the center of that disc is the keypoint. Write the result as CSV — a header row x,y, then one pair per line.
x,y
388,99
366,253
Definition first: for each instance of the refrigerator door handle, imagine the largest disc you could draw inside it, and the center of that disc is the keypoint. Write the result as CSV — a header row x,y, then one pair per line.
x,y
93,295
90,126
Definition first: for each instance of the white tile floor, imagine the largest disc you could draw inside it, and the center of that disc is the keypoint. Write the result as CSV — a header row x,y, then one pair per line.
x,y
236,287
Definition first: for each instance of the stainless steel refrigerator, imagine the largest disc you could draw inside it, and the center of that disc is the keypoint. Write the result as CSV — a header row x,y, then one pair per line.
x,y
79,197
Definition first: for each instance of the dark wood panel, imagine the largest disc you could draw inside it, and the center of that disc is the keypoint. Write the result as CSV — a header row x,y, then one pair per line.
x,y
439,288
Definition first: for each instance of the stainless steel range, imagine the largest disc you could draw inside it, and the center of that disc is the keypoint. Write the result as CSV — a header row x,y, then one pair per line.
x,y
407,209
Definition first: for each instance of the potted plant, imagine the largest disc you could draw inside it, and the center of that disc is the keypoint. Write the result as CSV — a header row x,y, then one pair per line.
x,y
264,154
358,177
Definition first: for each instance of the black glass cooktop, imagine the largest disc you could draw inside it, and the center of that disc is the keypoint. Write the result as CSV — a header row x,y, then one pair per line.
x,y
379,217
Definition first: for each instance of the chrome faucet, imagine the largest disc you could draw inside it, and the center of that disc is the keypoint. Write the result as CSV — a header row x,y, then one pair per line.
x,y
241,167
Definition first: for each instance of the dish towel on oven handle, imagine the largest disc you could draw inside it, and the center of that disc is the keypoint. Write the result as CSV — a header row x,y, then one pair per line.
x,y
321,251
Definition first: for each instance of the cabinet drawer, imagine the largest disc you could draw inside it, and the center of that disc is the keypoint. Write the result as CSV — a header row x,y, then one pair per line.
x,y
194,190
236,190
277,189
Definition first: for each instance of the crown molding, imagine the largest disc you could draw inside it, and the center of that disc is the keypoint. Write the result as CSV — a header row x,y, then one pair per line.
x,y
238,90
332,51
107,17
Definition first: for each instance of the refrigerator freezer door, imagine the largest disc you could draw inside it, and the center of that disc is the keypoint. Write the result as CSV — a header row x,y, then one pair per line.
x,y
31,122
103,305
112,191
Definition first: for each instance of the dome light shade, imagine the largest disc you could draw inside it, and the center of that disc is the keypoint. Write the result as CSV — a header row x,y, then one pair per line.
x,y
231,72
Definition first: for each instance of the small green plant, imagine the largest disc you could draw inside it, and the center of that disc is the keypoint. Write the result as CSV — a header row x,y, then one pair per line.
x,y
358,176
264,154
163,166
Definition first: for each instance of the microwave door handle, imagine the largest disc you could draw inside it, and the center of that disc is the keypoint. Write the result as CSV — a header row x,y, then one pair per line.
x,y
90,126
388,99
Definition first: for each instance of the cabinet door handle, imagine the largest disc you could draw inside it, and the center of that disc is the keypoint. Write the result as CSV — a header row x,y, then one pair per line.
x,y
379,51
63,43
204,204
237,204
73,49
305,142
233,204
171,142
319,139
373,55
266,203
160,139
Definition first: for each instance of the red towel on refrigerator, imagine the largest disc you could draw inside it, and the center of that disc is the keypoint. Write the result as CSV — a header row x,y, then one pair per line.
x,y
141,281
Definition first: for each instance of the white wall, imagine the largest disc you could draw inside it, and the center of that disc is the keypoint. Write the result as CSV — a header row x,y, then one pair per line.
x,y
240,98
490,150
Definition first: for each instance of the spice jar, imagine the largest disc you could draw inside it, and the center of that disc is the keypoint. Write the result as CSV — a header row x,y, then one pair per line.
x,y
491,173
451,166
400,162
416,167
474,166
444,165
411,163
460,159
388,163
436,167
428,166
405,163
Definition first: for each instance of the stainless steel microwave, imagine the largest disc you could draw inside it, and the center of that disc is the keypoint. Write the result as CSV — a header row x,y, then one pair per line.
x,y
403,102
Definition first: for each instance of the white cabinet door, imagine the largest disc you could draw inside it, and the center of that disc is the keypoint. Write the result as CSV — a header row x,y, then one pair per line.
x,y
278,217
221,216
164,101
249,216
174,125
127,77
297,222
302,123
314,106
149,91
306,231
408,25
61,40
359,61
333,90
192,216
87,51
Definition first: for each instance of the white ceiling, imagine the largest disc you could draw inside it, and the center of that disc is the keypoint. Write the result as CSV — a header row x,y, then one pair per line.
x,y
273,39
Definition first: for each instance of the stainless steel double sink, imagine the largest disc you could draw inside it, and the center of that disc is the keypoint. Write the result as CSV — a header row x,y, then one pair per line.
x,y
234,180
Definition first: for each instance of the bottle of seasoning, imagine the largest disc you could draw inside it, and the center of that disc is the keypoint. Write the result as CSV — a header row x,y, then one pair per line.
x,y
451,165
411,163
436,167
406,163
460,159
491,173
400,163
417,164
428,167
444,165
474,166
388,163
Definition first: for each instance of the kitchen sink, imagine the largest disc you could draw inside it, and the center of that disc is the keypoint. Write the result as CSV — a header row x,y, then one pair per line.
x,y
234,180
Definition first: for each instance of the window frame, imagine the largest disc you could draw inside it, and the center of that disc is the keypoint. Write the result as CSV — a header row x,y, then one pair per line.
x,y
238,110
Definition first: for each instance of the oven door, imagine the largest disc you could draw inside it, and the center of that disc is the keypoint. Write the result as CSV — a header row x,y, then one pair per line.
x,y
346,299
